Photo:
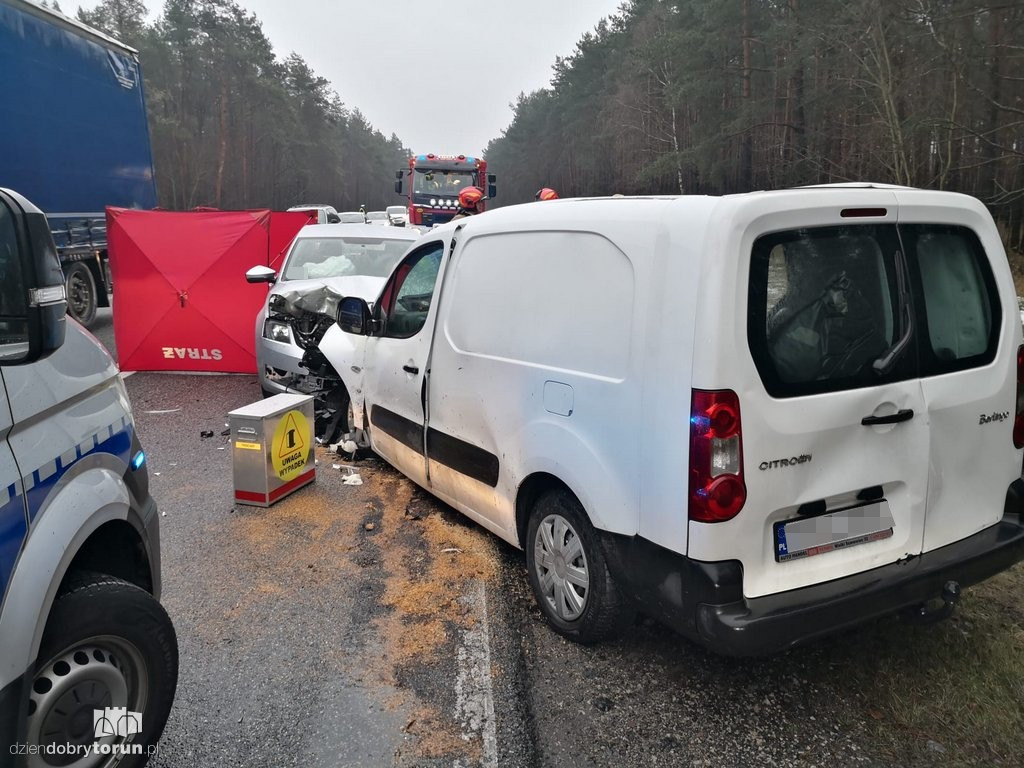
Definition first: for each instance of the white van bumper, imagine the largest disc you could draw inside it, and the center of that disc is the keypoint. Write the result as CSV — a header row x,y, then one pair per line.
x,y
704,601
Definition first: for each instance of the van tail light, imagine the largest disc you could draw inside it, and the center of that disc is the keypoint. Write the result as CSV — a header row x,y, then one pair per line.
x,y
717,490
1018,419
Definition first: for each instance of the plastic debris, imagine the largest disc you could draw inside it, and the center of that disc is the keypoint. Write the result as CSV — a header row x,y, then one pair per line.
x,y
353,479
165,410
335,466
451,550
206,433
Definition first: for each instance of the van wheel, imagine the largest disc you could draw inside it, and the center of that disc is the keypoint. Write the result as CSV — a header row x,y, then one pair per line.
x,y
569,572
81,292
107,643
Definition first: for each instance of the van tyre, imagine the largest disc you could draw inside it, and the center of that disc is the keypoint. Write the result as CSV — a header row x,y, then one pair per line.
x,y
569,572
81,292
107,643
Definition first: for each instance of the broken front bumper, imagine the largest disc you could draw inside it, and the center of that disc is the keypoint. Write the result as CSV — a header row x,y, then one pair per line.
x,y
705,602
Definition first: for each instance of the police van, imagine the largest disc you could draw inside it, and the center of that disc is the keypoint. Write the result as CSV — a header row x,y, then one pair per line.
x,y
761,418
88,656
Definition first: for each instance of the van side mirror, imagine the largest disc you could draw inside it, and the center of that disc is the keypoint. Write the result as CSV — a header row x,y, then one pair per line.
x,y
33,304
398,174
491,178
492,191
261,274
354,316
398,186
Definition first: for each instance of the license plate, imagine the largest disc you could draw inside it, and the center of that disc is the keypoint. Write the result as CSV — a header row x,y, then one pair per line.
x,y
809,536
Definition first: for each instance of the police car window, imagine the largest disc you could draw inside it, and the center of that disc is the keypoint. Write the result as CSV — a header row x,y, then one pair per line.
x,y
822,307
961,303
13,331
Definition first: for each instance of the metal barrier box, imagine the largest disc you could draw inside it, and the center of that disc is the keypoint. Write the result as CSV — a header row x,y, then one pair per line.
x,y
272,448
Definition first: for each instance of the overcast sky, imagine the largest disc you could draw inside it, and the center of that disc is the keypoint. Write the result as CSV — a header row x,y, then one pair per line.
x,y
440,75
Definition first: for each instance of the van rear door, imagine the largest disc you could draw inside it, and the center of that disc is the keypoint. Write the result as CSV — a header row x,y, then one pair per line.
x,y
834,424
968,335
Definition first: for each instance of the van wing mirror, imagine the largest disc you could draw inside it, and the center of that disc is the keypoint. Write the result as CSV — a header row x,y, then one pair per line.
x,y
492,191
261,274
398,187
33,305
354,316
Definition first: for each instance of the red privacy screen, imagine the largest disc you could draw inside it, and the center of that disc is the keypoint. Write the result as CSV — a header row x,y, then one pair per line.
x,y
181,302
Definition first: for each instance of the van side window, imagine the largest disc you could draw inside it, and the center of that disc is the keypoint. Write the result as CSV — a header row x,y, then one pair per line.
x,y
822,307
406,299
961,304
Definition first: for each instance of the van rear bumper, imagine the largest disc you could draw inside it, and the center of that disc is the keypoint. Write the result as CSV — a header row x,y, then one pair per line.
x,y
705,602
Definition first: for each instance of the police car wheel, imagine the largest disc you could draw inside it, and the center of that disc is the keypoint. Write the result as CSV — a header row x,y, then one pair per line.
x,y
107,644
569,572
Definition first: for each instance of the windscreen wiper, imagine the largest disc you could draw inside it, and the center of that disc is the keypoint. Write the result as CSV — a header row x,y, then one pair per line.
x,y
887,361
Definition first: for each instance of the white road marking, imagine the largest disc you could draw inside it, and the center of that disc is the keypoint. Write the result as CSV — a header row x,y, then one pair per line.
x,y
474,694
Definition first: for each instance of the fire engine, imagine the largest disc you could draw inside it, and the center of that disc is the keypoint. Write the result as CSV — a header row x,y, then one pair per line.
x,y
435,182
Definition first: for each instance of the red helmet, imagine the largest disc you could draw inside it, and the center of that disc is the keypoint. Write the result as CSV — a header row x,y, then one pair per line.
x,y
470,196
546,193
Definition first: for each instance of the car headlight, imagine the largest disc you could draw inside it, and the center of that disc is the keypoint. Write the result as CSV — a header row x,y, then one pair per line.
x,y
275,330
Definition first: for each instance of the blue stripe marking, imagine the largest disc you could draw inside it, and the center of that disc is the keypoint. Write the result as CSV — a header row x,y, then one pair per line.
x,y
118,444
12,533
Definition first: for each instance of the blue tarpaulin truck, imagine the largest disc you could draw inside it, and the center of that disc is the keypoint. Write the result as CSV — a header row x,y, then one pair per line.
x,y
73,137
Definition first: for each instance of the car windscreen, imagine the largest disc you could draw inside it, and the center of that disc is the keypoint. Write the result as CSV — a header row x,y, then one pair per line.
x,y
317,257
376,216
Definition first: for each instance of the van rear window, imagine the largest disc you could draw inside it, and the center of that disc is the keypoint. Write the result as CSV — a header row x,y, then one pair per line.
x,y
823,308
824,305
960,312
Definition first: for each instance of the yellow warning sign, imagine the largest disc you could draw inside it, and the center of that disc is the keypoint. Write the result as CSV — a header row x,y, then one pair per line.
x,y
288,450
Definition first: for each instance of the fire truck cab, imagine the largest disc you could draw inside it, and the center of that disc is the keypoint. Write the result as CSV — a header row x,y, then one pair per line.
x,y
435,182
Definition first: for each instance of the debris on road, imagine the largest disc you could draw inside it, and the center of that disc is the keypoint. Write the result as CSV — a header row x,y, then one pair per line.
x,y
165,410
370,526
206,433
353,479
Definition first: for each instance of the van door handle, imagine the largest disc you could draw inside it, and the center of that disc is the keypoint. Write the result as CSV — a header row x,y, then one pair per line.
x,y
904,414
414,370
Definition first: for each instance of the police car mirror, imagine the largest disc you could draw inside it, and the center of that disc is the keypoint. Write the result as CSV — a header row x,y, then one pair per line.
x,y
33,303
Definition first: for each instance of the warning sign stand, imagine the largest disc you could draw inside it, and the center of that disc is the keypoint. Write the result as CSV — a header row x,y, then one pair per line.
x,y
272,448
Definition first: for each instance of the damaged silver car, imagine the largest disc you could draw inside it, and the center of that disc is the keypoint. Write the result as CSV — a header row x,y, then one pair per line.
x,y
325,263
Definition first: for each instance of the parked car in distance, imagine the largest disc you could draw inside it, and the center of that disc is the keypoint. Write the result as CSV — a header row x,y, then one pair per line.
x,y
398,215
377,218
325,214
352,259
351,217
761,418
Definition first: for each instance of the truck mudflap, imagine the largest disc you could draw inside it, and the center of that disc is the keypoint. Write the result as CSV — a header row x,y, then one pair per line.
x,y
704,601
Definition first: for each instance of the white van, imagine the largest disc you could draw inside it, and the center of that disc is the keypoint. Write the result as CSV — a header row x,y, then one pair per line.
x,y
760,418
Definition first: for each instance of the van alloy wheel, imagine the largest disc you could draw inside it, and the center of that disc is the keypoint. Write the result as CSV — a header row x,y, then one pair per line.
x,y
97,673
562,567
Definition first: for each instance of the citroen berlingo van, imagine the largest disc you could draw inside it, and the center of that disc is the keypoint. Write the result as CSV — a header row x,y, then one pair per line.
x,y
760,418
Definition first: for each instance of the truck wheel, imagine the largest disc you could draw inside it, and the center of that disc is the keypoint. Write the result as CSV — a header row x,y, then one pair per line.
x,y
569,572
81,290
107,643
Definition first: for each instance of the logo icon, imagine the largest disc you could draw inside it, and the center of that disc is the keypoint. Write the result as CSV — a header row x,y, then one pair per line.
x,y
115,721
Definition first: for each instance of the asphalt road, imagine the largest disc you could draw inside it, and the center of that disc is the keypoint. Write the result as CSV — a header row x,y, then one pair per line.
x,y
371,625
